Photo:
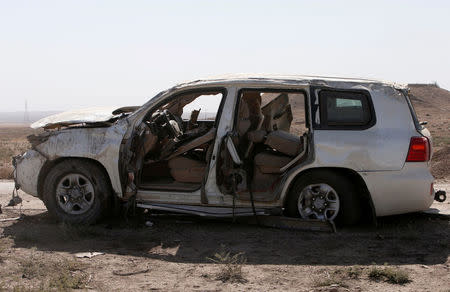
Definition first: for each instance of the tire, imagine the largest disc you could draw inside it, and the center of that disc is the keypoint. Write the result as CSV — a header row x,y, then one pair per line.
x,y
348,203
77,192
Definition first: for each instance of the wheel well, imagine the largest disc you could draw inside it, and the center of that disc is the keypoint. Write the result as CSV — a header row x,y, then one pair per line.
x,y
51,163
366,199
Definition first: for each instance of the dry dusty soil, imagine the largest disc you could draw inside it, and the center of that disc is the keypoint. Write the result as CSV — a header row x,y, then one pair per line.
x,y
403,253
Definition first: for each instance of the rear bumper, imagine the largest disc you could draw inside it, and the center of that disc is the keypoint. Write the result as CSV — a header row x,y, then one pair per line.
x,y
403,191
26,171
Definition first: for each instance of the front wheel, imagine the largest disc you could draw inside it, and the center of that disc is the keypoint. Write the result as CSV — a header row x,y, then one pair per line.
x,y
76,192
324,195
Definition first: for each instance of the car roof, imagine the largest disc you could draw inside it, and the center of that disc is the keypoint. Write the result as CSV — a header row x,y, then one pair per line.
x,y
286,79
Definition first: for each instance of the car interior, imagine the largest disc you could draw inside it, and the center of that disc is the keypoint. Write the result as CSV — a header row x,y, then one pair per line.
x,y
270,138
177,139
177,142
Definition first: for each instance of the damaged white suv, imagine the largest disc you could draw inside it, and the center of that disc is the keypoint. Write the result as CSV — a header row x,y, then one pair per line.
x,y
309,147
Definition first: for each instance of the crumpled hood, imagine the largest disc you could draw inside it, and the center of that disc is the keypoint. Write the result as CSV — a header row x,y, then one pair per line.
x,y
82,116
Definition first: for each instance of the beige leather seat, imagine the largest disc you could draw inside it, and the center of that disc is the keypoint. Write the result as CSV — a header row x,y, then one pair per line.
x,y
267,162
250,118
287,146
284,142
184,169
187,170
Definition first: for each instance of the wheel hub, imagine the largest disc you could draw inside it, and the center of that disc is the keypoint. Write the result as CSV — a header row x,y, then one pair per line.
x,y
318,201
75,194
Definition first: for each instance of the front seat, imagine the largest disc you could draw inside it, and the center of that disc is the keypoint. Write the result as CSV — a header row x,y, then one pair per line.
x,y
187,170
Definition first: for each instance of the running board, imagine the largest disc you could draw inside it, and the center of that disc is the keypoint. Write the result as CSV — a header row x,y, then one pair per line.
x,y
263,218
217,212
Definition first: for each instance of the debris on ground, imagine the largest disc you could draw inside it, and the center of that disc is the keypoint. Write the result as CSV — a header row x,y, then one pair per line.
x,y
122,273
10,219
88,254
15,200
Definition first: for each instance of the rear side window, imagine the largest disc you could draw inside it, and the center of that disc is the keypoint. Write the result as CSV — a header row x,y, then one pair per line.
x,y
345,109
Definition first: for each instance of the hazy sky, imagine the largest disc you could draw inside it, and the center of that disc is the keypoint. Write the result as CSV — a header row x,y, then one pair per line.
x,y
71,54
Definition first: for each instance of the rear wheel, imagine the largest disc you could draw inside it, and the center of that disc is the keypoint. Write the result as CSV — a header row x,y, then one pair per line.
x,y
324,195
76,192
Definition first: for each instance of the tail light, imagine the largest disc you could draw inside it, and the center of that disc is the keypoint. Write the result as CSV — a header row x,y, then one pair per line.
x,y
419,150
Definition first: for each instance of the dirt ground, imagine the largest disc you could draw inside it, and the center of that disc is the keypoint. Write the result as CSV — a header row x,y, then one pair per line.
x,y
403,253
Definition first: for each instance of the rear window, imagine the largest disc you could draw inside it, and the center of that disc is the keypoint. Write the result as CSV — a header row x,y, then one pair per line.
x,y
345,109
413,113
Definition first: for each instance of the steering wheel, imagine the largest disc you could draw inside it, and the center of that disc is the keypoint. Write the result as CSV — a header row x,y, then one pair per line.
x,y
175,129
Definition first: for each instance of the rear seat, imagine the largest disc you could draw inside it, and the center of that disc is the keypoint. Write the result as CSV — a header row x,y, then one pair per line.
x,y
268,162
287,146
284,142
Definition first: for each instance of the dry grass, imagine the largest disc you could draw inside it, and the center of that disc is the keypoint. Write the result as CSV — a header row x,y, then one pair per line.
x,y
230,266
342,276
338,277
12,142
390,275
5,244
58,273
2,249
328,279
354,272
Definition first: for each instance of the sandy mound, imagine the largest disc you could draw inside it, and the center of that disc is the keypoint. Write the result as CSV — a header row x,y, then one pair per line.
x,y
440,163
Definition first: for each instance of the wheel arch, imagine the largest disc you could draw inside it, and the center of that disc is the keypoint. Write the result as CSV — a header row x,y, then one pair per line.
x,y
366,198
49,164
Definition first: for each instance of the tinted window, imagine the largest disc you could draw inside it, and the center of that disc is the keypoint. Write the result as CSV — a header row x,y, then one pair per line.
x,y
342,108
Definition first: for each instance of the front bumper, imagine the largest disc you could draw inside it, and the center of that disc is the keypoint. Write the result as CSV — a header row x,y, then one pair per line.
x,y
26,171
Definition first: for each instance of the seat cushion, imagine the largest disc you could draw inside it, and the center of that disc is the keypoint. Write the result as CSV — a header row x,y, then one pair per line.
x,y
284,142
185,169
268,162
256,136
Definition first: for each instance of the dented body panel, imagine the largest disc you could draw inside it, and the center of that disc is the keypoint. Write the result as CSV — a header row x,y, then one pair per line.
x,y
99,144
27,168
83,116
383,146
